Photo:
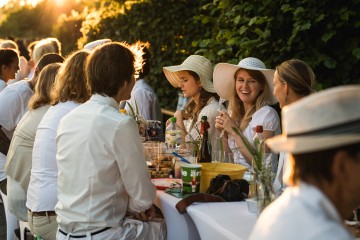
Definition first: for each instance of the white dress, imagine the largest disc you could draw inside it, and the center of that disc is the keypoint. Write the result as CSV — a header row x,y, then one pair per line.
x,y
265,116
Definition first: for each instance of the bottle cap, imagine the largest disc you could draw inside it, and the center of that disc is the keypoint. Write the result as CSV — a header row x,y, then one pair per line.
x,y
204,118
173,119
259,129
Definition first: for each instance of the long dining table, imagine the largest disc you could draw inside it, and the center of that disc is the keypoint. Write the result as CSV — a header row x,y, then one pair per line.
x,y
219,220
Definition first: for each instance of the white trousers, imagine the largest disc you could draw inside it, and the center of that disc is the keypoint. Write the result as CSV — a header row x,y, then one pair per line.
x,y
132,229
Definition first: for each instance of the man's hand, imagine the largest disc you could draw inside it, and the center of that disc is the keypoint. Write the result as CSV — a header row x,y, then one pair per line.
x,y
147,215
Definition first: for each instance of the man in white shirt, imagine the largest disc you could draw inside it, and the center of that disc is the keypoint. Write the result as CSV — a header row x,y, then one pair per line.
x,y
322,134
104,188
142,94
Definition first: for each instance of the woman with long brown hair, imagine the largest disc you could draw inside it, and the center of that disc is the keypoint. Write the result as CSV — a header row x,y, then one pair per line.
x,y
194,78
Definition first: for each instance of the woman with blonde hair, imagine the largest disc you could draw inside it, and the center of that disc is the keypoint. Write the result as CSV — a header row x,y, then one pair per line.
x,y
69,91
248,87
293,80
19,158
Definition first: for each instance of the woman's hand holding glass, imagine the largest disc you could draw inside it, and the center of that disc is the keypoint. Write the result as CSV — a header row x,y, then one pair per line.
x,y
224,122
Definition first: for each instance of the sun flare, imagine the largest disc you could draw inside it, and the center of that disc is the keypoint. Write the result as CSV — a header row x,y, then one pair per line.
x,y
3,2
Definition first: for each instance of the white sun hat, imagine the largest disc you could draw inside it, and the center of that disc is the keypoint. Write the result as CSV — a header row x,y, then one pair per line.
x,y
91,45
224,76
324,120
198,64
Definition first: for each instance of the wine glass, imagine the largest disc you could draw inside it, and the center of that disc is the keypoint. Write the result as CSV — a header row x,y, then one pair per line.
x,y
221,101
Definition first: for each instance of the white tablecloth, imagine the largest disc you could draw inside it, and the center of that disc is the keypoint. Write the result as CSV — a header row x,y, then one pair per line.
x,y
179,226
207,221
230,220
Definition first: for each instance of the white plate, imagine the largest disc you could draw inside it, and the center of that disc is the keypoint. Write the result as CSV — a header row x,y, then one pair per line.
x,y
164,183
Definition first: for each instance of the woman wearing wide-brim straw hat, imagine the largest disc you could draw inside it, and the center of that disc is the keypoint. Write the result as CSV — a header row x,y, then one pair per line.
x,y
293,80
194,78
248,87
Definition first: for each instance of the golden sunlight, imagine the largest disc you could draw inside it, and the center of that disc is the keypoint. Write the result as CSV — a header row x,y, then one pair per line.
x,y
59,2
29,2
3,2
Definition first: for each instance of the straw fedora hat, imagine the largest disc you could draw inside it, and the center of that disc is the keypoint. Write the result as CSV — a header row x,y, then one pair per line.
x,y
224,76
198,64
323,120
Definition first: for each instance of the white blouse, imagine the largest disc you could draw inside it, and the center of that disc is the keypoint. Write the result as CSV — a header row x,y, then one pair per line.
x,y
193,128
42,190
265,116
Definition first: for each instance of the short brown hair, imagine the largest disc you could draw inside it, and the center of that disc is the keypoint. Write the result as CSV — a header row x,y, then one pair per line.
x,y
110,66
43,86
7,56
70,84
317,165
48,59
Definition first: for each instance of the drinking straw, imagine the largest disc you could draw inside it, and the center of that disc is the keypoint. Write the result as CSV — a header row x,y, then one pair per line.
x,y
181,157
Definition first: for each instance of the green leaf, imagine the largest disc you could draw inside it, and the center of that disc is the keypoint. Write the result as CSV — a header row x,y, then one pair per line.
x,y
356,53
305,26
344,15
285,8
320,18
131,108
330,63
252,21
327,36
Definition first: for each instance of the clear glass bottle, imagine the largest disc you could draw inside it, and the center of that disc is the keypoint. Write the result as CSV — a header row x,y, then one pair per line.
x,y
263,175
173,134
204,154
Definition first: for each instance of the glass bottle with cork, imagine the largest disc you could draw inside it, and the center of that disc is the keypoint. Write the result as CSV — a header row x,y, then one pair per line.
x,y
205,147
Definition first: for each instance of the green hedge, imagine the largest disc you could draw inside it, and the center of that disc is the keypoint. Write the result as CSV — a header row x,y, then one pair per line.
x,y
324,33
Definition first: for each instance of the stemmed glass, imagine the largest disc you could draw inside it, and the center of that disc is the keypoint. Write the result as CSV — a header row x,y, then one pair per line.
x,y
221,101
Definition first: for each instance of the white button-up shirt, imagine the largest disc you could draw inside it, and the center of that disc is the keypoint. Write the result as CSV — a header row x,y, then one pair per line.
x,y
101,166
42,190
146,100
300,213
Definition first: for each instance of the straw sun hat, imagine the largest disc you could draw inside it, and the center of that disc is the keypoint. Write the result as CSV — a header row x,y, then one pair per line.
x,y
324,120
198,64
224,76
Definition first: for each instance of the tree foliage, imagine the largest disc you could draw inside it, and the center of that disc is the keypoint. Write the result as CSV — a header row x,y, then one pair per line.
x,y
168,25
324,33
